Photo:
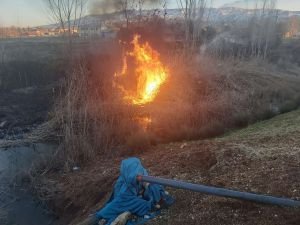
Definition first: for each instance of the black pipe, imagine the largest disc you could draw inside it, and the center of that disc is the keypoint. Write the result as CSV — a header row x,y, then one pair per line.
x,y
220,191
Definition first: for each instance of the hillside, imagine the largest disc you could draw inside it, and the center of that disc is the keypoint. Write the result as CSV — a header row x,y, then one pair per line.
x,y
223,14
262,158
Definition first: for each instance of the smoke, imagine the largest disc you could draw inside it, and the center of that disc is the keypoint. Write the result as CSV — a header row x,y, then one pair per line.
x,y
104,6
108,6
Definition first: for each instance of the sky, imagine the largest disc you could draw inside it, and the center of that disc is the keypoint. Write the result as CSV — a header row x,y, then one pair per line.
x,y
33,12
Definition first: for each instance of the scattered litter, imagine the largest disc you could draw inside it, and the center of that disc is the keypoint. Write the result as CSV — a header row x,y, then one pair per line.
x,y
76,168
183,145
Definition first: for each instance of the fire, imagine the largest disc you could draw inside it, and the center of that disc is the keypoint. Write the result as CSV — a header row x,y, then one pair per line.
x,y
149,73
293,28
144,122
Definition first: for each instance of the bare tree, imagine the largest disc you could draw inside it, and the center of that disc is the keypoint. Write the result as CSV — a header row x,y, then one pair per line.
x,y
131,9
140,4
194,11
164,5
125,6
67,13
263,26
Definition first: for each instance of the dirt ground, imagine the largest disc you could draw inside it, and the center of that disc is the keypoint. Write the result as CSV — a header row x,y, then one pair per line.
x,y
263,158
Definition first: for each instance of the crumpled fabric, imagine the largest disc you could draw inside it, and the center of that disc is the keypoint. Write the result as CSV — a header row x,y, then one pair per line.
x,y
129,195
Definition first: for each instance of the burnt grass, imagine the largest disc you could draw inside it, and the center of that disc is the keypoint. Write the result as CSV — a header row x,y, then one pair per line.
x,y
29,72
22,110
263,158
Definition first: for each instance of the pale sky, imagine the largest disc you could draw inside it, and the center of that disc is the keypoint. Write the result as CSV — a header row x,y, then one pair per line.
x,y
34,13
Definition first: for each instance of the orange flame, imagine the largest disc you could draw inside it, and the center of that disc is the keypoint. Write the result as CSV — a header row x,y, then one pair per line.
x,y
144,121
149,73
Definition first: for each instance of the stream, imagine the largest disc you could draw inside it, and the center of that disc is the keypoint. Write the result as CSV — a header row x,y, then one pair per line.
x,y
18,206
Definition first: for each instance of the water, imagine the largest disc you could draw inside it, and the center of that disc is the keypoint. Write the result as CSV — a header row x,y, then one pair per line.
x,y
17,206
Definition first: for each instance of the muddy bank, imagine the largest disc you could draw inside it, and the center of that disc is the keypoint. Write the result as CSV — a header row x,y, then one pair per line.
x,y
263,158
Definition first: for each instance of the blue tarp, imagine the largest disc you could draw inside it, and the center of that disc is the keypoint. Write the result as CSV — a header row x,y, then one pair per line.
x,y
129,195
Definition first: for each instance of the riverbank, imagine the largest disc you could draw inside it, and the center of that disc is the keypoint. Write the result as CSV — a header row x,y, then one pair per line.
x,y
200,102
262,158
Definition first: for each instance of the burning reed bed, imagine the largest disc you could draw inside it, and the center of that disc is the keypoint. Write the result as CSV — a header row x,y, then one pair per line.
x,y
201,98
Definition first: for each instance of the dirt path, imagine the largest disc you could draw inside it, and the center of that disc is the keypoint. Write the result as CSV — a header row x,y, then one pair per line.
x,y
263,158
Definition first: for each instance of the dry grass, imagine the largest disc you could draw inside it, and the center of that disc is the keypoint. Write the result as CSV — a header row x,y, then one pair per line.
x,y
89,123
43,133
207,102
203,98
